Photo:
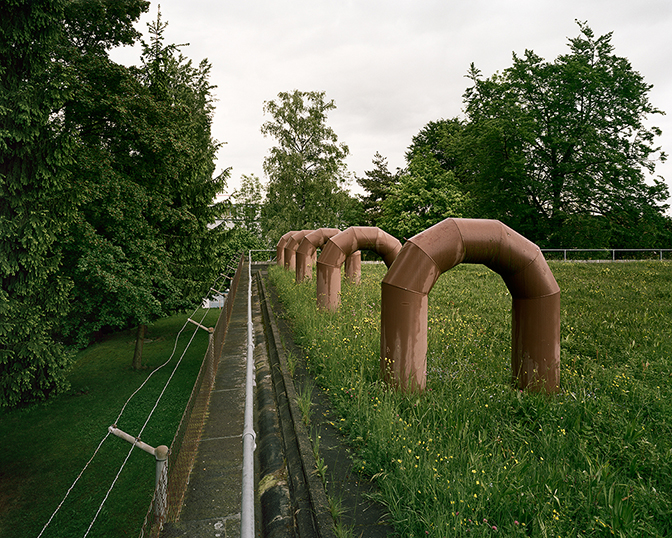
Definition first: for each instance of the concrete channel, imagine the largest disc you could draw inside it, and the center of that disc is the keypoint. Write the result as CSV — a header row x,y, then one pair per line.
x,y
292,500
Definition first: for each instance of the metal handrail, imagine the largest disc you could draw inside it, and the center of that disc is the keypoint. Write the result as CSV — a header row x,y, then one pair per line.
x,y
249,436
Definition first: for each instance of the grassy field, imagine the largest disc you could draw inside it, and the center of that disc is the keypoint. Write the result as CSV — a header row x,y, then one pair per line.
x,y
473,457
45,446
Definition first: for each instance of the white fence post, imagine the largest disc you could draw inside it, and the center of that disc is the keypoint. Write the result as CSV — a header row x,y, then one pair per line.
x,y
160,453
161,486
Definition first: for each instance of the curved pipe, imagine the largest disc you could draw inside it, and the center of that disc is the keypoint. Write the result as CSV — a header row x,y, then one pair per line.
x,y
291,246
308,246
535,331
280,248
338,248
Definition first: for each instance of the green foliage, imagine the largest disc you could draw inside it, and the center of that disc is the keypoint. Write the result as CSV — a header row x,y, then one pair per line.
x,y
140,247
425,195
37,198
247,203
441,141
551,140
114,254
471,455
560,151
179,163
377,183
306,169
237,241
105,184
426,192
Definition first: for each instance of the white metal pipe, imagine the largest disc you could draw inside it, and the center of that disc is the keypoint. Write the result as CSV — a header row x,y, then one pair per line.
x,y
134,441
249,445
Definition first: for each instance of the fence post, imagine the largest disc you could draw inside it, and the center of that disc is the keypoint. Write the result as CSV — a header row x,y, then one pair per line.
x,y
161,487
211,348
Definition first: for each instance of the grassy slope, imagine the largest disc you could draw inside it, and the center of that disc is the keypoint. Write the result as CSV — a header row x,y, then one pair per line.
x,y
471,456
44,447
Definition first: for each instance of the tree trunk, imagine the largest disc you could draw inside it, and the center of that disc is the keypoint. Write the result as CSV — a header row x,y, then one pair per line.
x,y
139,341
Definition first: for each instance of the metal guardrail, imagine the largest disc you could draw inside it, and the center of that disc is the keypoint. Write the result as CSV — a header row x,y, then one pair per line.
x,y
656,253
613,254
249,435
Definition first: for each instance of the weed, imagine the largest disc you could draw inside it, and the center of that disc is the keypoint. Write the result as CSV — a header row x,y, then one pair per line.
x,y
471,454
343,531
291,363
335,507
320,466
304,401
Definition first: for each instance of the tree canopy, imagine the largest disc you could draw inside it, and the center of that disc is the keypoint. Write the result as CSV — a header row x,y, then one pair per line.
x,y
106,184
37,197
305,169
377,184
246,204
561,151
427,191
140,247
548,143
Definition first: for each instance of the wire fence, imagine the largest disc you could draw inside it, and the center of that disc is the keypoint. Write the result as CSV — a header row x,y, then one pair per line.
x,y
607,254
168,498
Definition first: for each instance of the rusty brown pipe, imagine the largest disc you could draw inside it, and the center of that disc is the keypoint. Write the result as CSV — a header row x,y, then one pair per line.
x,y
280,248
353,267
338,248
535,331
291,246
305,254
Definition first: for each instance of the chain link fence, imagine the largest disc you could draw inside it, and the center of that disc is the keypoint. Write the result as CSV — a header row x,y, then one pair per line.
x,y
171,488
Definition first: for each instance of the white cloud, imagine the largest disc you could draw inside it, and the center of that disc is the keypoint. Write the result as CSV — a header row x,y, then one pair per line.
x,y
391,66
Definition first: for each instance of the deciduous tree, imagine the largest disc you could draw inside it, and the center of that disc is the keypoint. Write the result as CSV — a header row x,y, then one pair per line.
x,y
554,140
37,197
246,204
140,247
424,195
305,169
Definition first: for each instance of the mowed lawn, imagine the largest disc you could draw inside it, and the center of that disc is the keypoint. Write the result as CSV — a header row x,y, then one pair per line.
x,y
44,447
472,456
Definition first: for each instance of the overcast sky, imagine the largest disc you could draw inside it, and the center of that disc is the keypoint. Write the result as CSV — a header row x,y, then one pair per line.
x,y
390,66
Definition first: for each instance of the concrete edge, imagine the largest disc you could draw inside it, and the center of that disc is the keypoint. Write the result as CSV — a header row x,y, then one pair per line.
x,y
311,505
273,493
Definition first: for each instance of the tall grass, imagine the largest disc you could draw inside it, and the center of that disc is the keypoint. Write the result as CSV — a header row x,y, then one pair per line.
x,y
45,446
471,456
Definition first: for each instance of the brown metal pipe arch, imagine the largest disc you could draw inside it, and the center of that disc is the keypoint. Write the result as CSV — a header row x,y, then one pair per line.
x,y
291,246
280,248
307,250
535,331
342,245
